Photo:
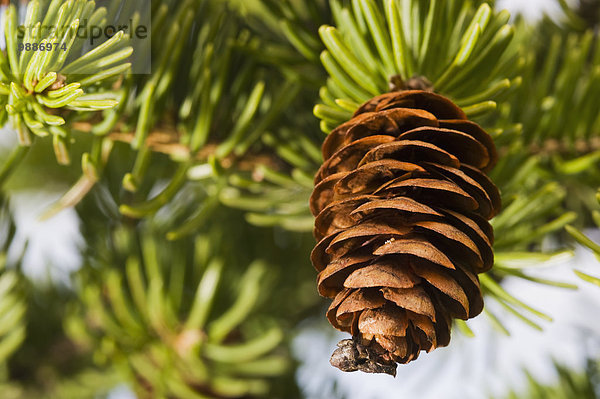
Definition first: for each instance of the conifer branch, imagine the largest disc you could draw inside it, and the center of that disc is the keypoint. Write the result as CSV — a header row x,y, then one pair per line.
x,y
40,82
468,63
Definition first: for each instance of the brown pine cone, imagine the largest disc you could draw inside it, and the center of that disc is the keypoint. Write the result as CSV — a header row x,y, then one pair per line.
x,y
401,205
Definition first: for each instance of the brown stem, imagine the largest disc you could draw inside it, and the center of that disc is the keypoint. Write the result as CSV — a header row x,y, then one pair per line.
x,y
415,83
166,140
554,146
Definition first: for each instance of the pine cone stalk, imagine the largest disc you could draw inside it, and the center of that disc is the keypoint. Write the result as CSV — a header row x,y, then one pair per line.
x,y
402,205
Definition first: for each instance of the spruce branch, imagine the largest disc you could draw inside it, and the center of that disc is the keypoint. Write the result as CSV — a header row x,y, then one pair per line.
x,y
12,303
581,15
212,99
469,60
570,384
587,242
292,27
554,82
223,107
31,337
176,342
44,77
560,76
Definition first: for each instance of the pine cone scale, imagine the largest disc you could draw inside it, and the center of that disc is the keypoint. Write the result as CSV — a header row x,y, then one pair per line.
x,y
406,206
369,177
349,156
337,215
415,248
480,135
411,151
441,193
383,273
489,186
468,150
391,121
414,299
359,300
467,184
456,237
448,289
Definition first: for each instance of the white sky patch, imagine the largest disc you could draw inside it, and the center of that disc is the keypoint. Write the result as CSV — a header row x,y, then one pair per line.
x,y
52,243
531,9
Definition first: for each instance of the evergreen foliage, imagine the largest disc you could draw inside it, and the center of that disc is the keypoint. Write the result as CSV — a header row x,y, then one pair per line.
x,y
570,384
192,193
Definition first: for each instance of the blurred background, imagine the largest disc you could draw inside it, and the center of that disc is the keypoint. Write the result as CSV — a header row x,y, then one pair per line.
x,y
560,359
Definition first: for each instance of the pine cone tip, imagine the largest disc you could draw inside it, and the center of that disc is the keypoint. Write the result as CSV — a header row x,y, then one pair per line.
x,y
351,355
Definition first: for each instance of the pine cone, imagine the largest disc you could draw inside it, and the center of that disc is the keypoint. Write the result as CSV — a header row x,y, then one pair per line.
x,y
401,205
